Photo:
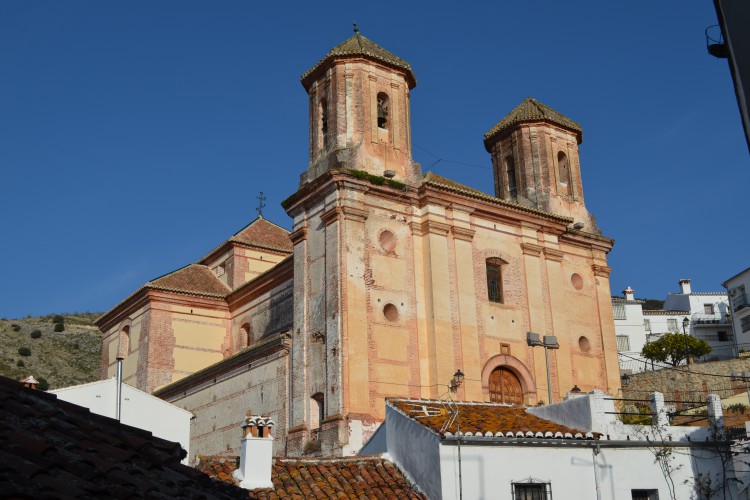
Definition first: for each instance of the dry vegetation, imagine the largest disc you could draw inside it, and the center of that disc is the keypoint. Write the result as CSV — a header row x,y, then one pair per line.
x,y
65,358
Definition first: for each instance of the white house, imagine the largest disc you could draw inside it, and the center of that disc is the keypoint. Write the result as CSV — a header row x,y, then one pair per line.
x,y
138,409
704,315
737,287
575,449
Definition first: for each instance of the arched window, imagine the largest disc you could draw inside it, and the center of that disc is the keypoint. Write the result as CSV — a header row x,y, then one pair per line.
x,y
384,109
510,170
495,279
246,336
317,410
505,387
324,120
123,347
563,167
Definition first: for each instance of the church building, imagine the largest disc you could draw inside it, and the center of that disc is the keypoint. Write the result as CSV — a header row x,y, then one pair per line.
x,y
389,282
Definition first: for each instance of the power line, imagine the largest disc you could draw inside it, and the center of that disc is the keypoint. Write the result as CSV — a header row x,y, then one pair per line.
x,y
439,159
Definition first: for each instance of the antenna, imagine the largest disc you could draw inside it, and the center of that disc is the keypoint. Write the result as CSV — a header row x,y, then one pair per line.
x,y
261,199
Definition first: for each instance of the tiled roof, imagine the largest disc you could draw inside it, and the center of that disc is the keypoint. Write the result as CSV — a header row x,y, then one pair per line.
x,y
358,45
531,110
485,420
50,448
355,478
195,278
634,301
435,180
663,312
265,234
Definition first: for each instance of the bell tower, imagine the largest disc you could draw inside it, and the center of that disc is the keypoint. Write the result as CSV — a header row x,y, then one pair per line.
x,y
359,112
535,161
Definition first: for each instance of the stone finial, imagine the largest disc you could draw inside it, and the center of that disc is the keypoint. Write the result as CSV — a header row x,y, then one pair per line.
x,y
658,410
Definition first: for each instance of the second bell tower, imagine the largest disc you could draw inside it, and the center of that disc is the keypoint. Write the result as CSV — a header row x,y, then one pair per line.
x,y
359,112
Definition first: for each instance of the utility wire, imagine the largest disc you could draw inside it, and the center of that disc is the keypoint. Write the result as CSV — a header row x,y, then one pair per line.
x,y
439,159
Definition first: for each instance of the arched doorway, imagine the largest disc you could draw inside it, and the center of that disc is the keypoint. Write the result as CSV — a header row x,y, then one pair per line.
x,y
505,387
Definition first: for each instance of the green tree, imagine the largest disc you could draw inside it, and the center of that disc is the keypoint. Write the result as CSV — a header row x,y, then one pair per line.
x,y
674,348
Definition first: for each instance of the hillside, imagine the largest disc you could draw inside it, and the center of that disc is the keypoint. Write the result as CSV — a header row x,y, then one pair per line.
x,y
65,358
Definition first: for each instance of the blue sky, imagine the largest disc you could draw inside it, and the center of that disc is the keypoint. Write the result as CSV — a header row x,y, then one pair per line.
x,y
135,136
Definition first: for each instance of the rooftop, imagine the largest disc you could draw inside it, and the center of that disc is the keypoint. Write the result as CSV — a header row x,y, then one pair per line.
x,y
359,46
484,419
50,448
354,478
531,110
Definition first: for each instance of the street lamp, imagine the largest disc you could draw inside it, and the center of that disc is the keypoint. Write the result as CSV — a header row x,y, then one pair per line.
x,y
455,383
549,342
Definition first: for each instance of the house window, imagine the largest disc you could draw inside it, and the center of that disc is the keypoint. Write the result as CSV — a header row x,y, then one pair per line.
x,y
511,172
672,325
619,310
495,280
723,337
384,104
623,343
708,308
645,494
745,323
647,325
533,489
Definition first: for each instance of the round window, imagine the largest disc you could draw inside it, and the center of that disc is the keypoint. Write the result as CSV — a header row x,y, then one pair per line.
x,y
390,312
387,241
577,281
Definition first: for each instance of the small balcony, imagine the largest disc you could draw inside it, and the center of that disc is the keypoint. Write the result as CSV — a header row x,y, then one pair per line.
x,y
716,319
739,301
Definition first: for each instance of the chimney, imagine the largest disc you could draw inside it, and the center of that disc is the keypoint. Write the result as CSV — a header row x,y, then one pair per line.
x,y
30,382
256,456
685,286
629,293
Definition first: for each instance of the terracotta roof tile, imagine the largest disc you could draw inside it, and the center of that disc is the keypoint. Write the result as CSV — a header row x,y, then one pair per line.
x,y
531,110
479,419
358,45
344,478
50,448
265,234
439,181
663,312
195,278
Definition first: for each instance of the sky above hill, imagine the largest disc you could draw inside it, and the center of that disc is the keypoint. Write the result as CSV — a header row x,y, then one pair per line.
x,y
136,136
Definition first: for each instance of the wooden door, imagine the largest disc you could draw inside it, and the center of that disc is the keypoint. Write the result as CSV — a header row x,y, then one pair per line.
x,y
505,387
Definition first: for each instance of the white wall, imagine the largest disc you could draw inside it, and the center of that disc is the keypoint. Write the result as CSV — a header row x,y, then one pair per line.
x,y
139,409
489,471
733,285
415,450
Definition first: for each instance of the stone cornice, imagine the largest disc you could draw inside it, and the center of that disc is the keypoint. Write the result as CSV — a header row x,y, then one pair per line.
x,y
352,213
463,234
553,255
330,216
531,249
299,235
603,271
435,227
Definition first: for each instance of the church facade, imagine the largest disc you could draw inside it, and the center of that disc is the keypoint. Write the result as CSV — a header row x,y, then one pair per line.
x,y
388,283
